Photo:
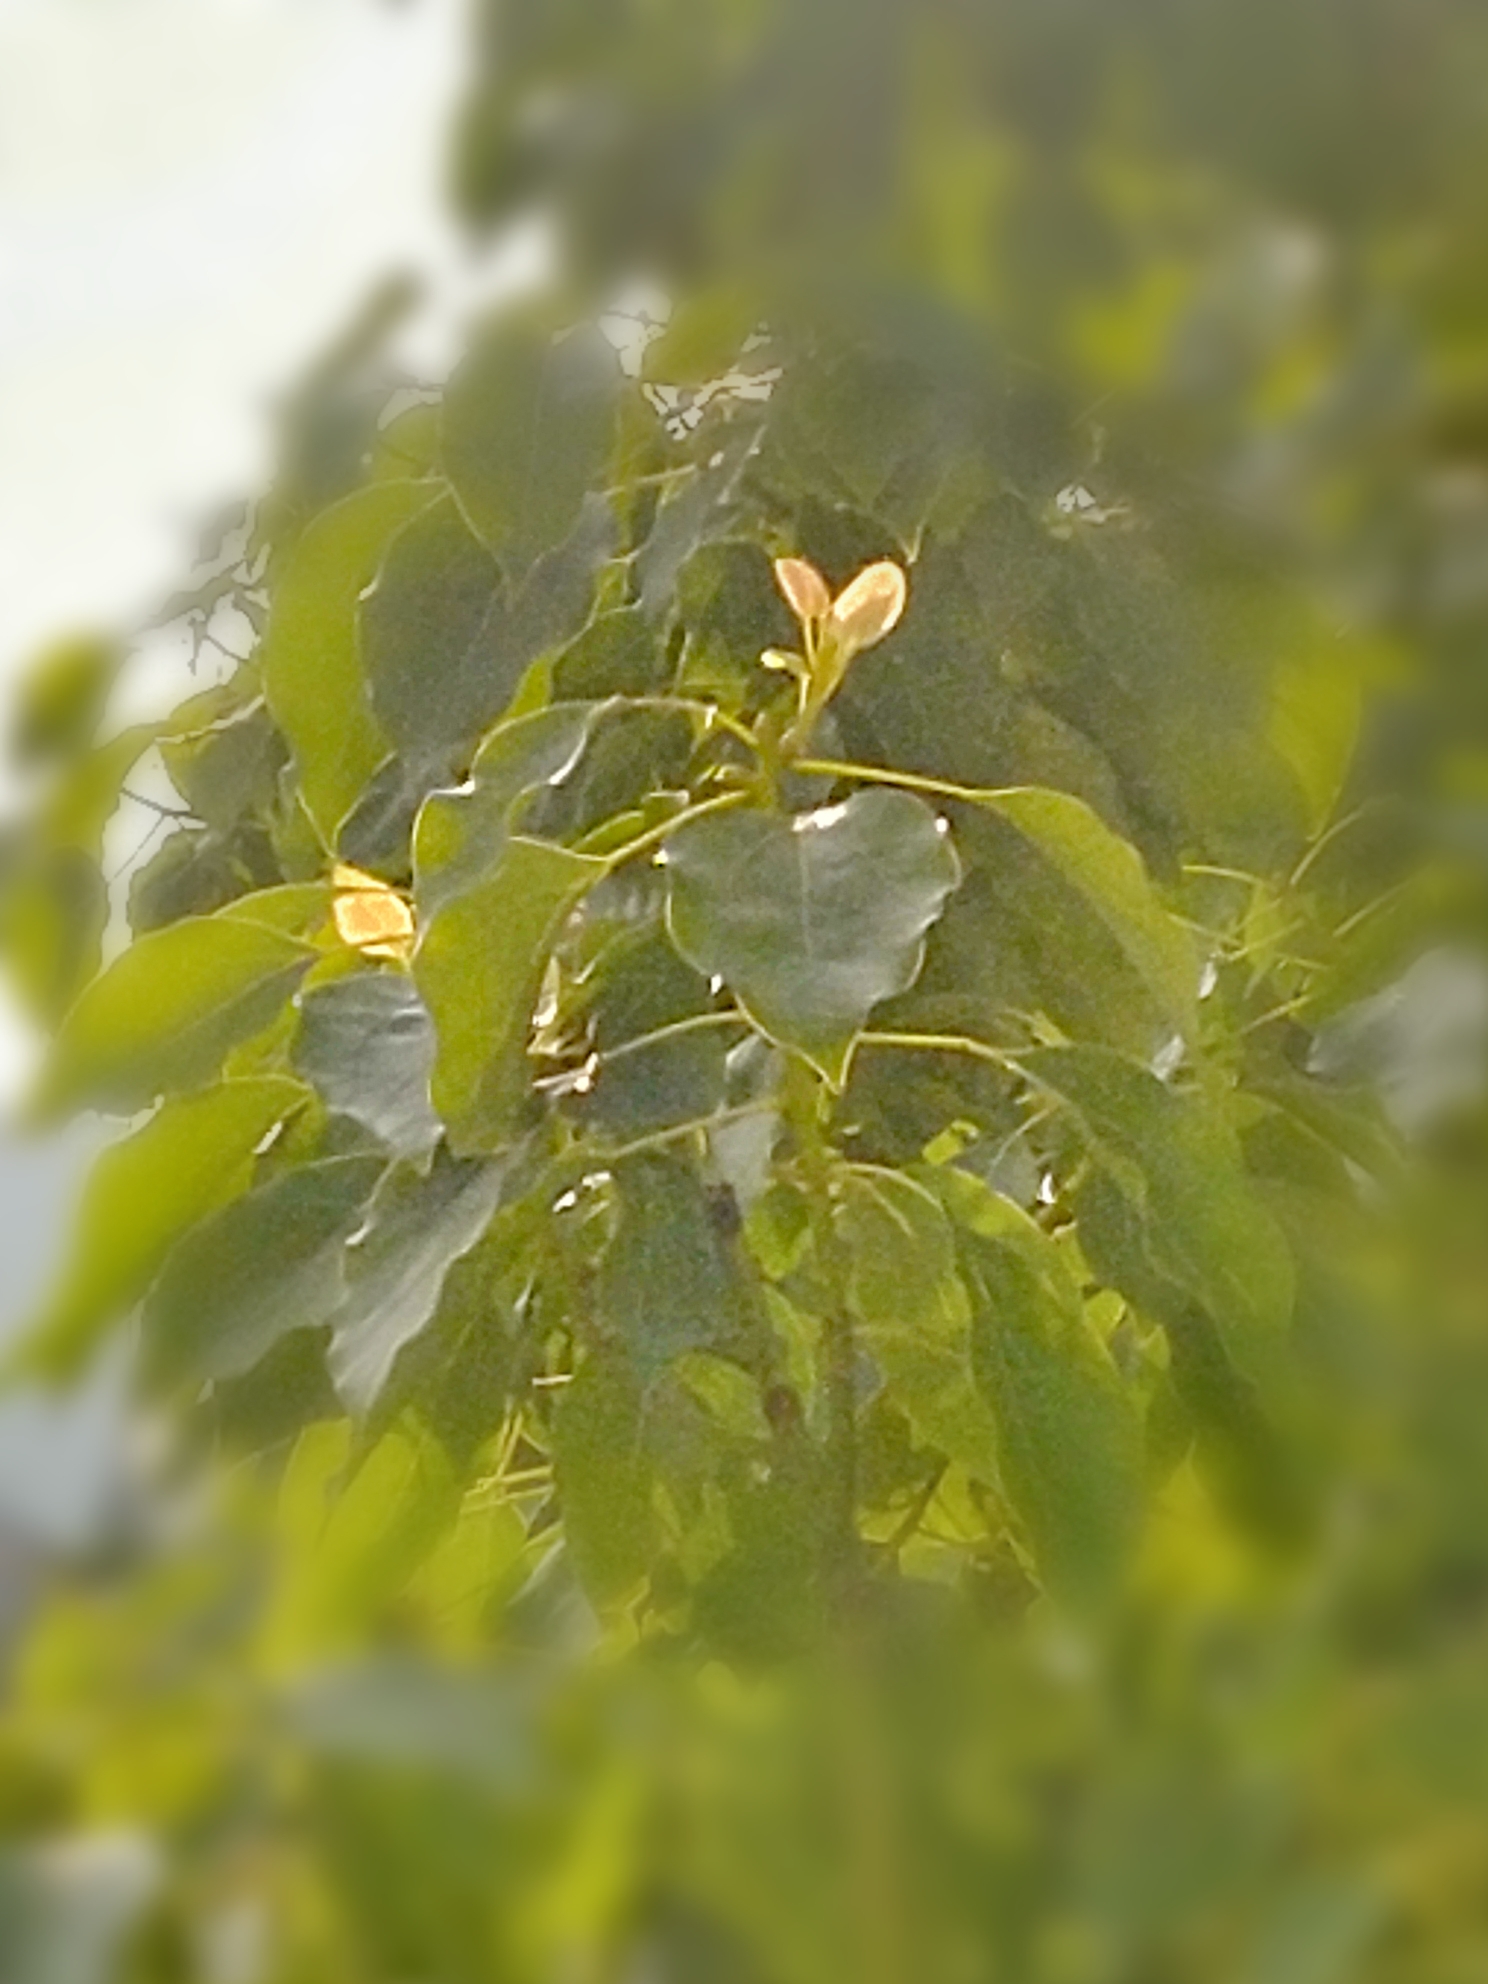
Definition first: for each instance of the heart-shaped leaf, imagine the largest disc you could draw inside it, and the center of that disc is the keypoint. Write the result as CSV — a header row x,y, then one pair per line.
x,y
812,920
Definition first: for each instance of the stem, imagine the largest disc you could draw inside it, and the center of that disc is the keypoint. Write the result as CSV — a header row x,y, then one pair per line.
x,y
695,706
659,1139
654,836
802,1097
924,1495
1325,840
944,1043
975,795
156,806
695,1024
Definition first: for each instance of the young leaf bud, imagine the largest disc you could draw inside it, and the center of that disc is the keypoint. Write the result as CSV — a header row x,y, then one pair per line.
x,y
804,587
869,607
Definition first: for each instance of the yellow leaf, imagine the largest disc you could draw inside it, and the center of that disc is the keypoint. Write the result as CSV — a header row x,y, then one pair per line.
x,y
370,916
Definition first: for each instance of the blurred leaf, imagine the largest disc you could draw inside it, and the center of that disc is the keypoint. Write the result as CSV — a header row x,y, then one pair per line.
x,y
811,921
312,671
366,1044
901,1254
603,1476
1069,1439
703,338
164,1015
528,422
53,910
142,1194
1181,1166
60,700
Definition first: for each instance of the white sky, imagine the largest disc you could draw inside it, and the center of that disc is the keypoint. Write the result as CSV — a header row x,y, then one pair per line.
x,y
194,196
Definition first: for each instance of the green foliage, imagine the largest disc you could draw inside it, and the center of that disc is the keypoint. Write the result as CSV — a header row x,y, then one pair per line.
x,y
831,1345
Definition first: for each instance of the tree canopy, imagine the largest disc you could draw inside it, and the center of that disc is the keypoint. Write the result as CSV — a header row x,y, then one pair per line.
x,y
801,1135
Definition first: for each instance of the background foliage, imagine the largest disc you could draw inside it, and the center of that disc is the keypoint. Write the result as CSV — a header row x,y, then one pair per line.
x,y
852,1355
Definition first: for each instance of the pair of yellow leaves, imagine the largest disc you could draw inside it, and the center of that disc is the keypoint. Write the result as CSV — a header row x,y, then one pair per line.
x,y
866,609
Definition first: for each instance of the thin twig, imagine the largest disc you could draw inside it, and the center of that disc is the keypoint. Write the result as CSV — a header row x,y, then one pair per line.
x,y
654,836
696,706
944,1043
695,1024
156,806
659,1139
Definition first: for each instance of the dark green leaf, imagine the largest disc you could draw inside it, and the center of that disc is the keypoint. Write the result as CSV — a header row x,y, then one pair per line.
x,y
228,767
812,921
617,654
366,1044
528,422
269,1263
142,1194
447,641
199,870
669,1283
604,1477
419,1224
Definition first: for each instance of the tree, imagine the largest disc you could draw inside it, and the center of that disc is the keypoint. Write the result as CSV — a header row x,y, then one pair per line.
x,y
753,1163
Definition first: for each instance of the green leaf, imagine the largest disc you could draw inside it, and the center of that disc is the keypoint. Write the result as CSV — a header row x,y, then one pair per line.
x,y
528,422
703,338
604,1476
266,1264
460,835
637,984
228,766
479,966
617,654
457,1373
931,1382
192,1156
312,670
61,698
53,912
166,1012
1069,1439
812,920
418,1226
901,1254
446,641
1252,1469
366,1045
196,871
668,1284
1176,1159
1107,871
